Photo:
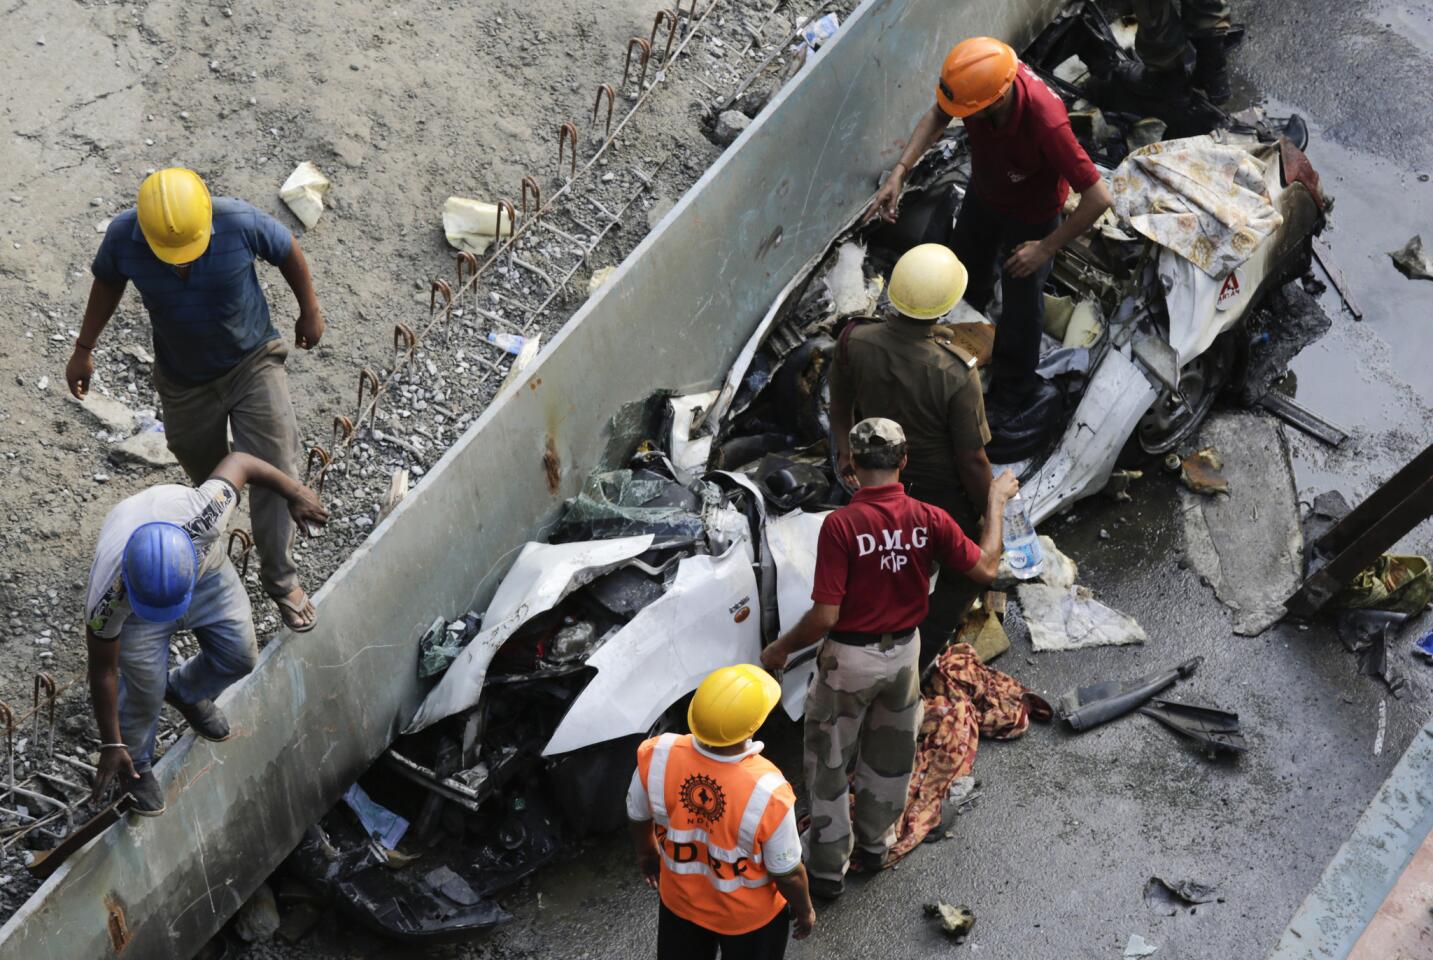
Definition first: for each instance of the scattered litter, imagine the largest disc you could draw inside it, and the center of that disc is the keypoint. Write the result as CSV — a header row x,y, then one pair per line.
x,y
1215,731
1138,947
1424,647
511,342
1382,728
1168,897
303,193
1412,261
954,921
397,490
1090,706
381,824
472,225
1201,472
258,919
820,31
1070,618
599,277
851,293
1398,584
525,355
961,790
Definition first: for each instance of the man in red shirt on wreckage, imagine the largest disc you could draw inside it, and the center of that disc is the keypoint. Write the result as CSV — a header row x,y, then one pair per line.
x,y
1024,160
874,562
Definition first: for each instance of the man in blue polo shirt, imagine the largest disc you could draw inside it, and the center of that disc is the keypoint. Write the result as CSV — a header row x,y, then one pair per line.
x,y
220,362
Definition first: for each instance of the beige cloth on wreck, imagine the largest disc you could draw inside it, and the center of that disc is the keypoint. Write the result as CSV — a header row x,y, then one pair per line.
x,y
1206,201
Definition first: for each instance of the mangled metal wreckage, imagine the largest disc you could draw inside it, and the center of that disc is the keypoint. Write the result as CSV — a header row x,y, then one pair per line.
x,y
677,557
697,550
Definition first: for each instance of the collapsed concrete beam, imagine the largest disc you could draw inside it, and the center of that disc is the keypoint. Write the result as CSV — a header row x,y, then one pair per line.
x,y
321,707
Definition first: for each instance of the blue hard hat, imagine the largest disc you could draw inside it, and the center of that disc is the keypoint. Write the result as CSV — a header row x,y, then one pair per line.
x,y
160,567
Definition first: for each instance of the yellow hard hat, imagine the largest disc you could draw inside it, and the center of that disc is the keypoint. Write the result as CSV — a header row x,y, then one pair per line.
x,y
731,704
175,214
927,282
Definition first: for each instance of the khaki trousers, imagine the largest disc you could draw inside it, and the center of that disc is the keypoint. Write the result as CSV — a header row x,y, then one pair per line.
x,y
253,401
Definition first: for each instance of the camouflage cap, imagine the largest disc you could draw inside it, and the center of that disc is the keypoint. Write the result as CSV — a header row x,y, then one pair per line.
x,y
875,432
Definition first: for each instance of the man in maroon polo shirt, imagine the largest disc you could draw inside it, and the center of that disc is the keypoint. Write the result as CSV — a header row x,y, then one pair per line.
x,y
874,562
1024,162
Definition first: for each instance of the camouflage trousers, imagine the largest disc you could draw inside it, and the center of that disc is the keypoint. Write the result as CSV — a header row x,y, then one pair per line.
x,y
1165,27
864,705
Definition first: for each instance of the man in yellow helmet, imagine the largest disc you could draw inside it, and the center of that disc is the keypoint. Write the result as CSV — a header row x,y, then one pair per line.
x,y
1024,160
220,362
714,826
907,369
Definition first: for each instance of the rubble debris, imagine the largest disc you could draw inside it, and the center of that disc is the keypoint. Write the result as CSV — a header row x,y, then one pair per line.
x,y
441,643
303,193
380,823
147,448
983,631
1168,897
1089,706
1200,472
1296,415
1144,132
472,225
258,920
1090,125
1215,731
851,293
1370,634
109,413
1325,258
1261,508
397,490
137,353
1071,618
1117,487
729,126
297,921
599,277
955,922
1137,947
522,359
1412,260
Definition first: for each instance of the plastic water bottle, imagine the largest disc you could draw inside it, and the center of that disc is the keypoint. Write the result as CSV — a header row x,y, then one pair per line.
x,y
1022,546
511,342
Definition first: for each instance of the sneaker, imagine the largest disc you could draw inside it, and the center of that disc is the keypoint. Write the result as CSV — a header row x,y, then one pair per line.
x,y
146,795
824,889
207,720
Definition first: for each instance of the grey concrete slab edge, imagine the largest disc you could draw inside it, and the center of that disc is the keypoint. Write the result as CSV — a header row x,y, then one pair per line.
x,y
1363,872
320,707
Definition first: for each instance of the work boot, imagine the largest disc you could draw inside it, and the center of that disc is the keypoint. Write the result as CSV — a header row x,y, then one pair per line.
x,y
1156,83
207,720
1211,69
824,889
146,795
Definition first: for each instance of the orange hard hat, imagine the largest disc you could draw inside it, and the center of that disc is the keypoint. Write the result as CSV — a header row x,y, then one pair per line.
x,y
975,74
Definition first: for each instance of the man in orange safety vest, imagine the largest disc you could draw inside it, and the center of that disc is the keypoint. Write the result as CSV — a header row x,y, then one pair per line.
x,y
715,831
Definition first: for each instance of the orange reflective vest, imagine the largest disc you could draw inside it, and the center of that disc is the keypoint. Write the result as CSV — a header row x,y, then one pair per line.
x,y
711,819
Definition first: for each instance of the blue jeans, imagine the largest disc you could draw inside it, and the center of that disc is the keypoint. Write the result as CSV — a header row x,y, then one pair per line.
x,y
220,617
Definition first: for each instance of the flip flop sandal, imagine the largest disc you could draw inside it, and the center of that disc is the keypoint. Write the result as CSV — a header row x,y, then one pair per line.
x,y
306,608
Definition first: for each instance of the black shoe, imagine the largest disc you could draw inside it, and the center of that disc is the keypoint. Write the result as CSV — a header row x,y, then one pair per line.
x,y
1211,69
867,863
146,795
824,889
207,720
1152,82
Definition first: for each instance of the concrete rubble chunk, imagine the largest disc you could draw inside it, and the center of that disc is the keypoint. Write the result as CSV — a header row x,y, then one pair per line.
x,y
729,126
107,412
147,448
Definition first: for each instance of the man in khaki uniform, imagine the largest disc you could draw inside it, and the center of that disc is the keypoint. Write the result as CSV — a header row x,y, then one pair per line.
x,y
907,369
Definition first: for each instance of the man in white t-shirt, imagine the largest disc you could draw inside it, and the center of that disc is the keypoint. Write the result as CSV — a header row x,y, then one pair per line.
x,y
160,567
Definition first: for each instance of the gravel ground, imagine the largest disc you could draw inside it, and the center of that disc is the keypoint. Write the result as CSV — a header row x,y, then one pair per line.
x,y
401,105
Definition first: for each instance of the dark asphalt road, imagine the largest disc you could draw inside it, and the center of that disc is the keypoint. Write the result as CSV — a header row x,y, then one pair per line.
x,y
1054,857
